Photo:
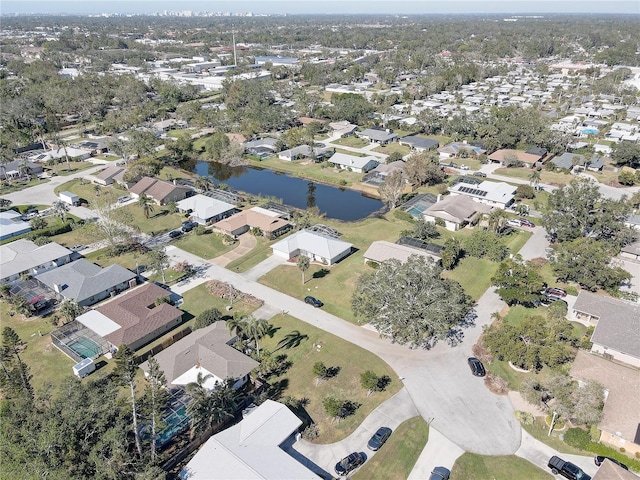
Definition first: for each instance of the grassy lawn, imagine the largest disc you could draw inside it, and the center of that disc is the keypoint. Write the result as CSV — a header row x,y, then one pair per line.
x,y
516,240
311,170
260,252
335,284
509,467
204,246
126,260
61,168
547,177
159,221
349,152
518,313
16,186
85,190
474,274
198,299
80,236
396,459
48,365
351,141
393,147
298,380
24,208
540,429
174,173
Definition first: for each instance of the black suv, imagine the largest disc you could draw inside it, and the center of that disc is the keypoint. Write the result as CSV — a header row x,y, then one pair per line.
x,y
476,366
566,469
349,463
175,233
313,301
188,226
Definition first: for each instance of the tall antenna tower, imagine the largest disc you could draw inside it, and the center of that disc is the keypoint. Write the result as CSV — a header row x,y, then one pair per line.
x,y
235,58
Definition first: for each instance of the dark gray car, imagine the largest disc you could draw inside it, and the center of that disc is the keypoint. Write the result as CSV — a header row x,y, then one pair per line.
x,y
440,473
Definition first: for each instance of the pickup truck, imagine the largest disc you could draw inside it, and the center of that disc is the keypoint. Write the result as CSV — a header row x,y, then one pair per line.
x,y
566,469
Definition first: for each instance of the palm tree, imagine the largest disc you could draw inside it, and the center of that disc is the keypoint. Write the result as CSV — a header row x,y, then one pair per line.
x,y
534,178
209,407
237,325
60,209
256,328
203,183
146,203
497,219
303,264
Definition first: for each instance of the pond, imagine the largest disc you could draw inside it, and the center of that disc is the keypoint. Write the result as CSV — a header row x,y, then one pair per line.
x,y
341,204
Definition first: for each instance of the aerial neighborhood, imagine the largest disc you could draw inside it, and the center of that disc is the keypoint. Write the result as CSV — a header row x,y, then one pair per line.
x,y
272,246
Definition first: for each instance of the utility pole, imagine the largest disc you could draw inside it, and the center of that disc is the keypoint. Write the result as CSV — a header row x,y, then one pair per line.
x,y
233,37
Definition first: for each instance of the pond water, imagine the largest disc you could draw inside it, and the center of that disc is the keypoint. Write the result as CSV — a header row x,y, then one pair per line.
x,y
334,202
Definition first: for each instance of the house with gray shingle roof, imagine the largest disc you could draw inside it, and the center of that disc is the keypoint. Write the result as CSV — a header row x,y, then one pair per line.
x,y
353,162
617,332
205,351
567,160
378,136
24,256
87,283
419,144
456,211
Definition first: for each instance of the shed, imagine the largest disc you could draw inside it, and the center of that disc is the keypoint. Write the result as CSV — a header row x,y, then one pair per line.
x,y
84,368
69,198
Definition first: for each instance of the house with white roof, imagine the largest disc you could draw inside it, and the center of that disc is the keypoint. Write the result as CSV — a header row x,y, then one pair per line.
x,y
317,246
205,210
353,162
25,257
456,211
498,194
206,352
381,251
12,225
250,450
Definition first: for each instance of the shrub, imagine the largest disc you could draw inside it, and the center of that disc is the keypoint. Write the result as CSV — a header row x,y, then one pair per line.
x,y
524,418
206,318
201,230
578,438
402,215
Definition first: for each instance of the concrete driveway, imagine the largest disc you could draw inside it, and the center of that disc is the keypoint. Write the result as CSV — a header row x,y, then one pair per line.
x,y
389,414
536,245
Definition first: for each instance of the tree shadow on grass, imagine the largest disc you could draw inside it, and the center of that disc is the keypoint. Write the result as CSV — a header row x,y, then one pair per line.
x,y
161,213
323,272
276,389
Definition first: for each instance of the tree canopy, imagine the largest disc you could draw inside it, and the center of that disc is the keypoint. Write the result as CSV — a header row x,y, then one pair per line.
x,y
410,302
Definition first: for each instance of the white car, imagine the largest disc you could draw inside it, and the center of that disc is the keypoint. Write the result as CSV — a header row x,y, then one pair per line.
x,y
464,167
514,222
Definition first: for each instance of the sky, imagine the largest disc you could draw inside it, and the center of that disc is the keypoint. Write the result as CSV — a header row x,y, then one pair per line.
x,y
325,7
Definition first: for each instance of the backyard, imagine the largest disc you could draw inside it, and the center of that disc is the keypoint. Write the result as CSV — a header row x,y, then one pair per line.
x,y
308,169
471,466
298,380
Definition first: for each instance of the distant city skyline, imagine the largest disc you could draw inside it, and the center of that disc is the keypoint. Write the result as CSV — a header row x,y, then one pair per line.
x,y
400,7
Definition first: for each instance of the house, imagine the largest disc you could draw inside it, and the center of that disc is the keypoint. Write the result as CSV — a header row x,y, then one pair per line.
x,y
169,124
317,246
595,164
610,471
160,191
509,156
87,283
497,194
110,175
263,147
455,149
620,423
456,211
539,152
344,128
256,218
617,332
567,160
356,164
419,144
12,225
206,351
25,257
375,135
632,251
381,251
205,210
134,318
19,168
250,450
304,151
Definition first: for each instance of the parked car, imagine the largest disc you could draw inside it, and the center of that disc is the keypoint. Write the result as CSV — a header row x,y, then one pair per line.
x,y
349,463
477,368
378,438
124,198
464,167
549,299
175,233
598,459
313,301
526,223
566,469
440,473
479,174
555,292
514,222
188,226
77,248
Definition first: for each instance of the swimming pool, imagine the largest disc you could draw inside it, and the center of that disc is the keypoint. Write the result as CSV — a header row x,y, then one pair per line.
x,y
85,347
590,131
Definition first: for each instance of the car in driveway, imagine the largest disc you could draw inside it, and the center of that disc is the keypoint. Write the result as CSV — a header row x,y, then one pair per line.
x,y
598,459
349,463
313,301
476,366
378,438
514,222
566,469
554,292
464,167
440,473
77,248
175,233
188,226
526,223
479,174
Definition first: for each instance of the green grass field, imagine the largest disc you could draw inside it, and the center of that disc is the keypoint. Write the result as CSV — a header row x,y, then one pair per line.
x,y
396,459
299,382
260,252
310,170
204,246
477,467
474,274
351,141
